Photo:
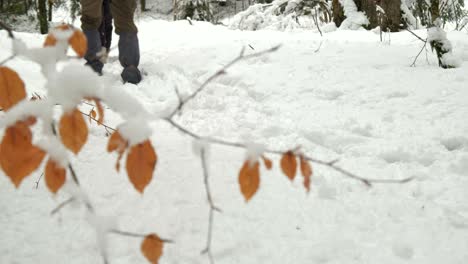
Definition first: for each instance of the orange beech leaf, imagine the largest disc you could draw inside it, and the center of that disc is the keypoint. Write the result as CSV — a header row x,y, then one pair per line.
x,y
141,161
92,115
77,40
119,144
11,88
267,162
152,248
54,176
100,110
289,164
50,39
78,43
73,130
249,179
18,156
306,171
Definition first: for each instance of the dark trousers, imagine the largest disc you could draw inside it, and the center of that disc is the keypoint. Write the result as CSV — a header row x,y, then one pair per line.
x,y
105,30
122,12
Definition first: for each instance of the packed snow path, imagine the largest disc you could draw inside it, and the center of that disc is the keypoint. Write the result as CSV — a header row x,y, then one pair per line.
x,y
355,99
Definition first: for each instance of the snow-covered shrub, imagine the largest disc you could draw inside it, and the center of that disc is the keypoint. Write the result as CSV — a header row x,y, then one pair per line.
x,y
437,38
193,9
283,15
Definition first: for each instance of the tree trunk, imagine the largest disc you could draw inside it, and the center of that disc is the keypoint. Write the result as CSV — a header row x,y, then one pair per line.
x,y
42,17
143,5
369,7
435,12
392,19
338,13
50,10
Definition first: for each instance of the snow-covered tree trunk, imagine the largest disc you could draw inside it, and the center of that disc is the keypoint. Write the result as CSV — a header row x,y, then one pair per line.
x,y
338,13
393,17
355,19
369,7
193,9
42,17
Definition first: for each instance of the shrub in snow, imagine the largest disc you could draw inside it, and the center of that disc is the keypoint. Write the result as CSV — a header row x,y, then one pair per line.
x,y
442,46
193,9
283,15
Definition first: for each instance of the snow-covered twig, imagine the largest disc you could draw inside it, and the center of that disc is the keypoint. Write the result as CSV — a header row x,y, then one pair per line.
x,y
213,208
38,180
130,234
414,34
7,28
330,164
417,56
220,72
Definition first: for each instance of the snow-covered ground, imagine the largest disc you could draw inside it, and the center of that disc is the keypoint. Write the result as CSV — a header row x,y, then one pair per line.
x,y
355,99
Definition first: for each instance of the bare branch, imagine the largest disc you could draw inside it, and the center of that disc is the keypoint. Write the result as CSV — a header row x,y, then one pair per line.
x,y
220,72
99,123
332,165
414,34
213,208
7,59
38,180
417,56
7,28
130,234
62,205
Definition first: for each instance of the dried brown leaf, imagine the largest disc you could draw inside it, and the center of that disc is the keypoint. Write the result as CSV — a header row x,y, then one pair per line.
x,y
50,39
119,144
73,130
152,248
18,156
78,43
268,163
54,176
141,161
11,88
249,179
289,164
306,171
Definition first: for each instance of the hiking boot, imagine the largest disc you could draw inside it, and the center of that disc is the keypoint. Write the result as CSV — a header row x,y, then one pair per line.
x,y
129,57
131,74
92,55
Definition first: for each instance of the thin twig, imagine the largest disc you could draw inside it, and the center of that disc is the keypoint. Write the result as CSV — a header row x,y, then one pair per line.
x,y
417,56
330,164
7,59
316,22
38,180
220,72
62,205
213,208
414,34
131,234
97,121
7,28
320,46
73,173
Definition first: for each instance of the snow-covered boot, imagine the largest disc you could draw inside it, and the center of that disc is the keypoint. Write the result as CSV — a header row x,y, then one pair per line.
x,y
92,55
129,57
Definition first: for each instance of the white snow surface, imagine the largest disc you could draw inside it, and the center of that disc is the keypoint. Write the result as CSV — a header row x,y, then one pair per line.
x,y
355,99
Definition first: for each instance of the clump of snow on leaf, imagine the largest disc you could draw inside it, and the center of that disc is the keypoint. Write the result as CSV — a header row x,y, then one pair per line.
x,y
254,152
72,84
135,130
